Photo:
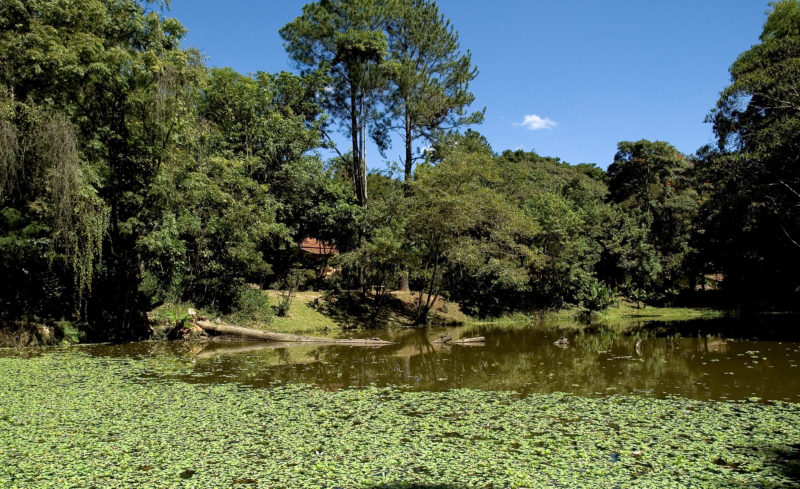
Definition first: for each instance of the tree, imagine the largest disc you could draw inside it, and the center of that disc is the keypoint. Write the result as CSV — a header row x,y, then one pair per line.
x,y
473,241
431,77
241,191
754,173
343,40
107,82
654,182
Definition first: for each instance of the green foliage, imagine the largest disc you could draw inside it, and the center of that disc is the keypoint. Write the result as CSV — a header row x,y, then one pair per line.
x,y
783,21
382,260
177,319
290,285
299,436
208,243
654,183
95,91
147,176
471,237
342,40
471,141
597,296
69,332
430,79
252,305
131,174
752,178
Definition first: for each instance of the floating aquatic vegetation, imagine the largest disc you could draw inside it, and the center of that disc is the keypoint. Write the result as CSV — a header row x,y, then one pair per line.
x,y
68,419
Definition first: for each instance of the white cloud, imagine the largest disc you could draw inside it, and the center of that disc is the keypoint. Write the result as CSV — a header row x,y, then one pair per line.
x,y
534,122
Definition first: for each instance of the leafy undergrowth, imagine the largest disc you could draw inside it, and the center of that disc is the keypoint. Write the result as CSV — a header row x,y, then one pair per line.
x,y
68,419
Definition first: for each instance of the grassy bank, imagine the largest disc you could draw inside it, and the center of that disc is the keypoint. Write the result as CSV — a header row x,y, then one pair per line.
x,y
303,317
68,419
311,313
625,315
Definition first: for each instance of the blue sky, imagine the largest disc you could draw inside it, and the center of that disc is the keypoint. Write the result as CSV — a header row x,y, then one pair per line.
x,y
563,78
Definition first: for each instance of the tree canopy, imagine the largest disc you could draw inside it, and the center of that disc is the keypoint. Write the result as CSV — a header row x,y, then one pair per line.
x,y
754,173
131,174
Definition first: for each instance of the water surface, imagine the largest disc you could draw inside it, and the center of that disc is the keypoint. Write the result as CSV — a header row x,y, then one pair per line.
x,y
691,360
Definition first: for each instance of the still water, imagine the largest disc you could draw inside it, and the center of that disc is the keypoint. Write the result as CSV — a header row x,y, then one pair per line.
x,y
692,359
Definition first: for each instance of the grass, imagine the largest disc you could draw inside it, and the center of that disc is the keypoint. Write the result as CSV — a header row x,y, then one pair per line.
x,y
442,312
303,317
70,419
625,315
310,314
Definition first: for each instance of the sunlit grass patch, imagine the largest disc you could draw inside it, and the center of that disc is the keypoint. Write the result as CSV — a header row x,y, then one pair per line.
x,y
626,315
303,317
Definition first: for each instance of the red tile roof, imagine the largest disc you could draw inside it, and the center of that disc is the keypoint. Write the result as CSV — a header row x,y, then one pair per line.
x,y
318,248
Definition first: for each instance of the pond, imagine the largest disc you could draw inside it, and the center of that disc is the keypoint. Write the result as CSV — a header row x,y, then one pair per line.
x,y
662,406
691,360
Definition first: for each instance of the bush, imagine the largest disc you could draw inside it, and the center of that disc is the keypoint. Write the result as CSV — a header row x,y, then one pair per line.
x,y
597,297
290,285
252,304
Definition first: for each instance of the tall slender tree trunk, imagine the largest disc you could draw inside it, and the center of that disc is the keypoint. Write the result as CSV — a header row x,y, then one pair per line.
x,y
356,153
404,286
359,180
409,157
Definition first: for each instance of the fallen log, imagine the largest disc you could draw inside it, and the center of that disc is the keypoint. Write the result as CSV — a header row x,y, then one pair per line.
x,y
255,334
467,341
448,340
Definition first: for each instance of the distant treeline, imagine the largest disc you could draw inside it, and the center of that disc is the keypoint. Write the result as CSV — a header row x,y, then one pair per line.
x,y
131,174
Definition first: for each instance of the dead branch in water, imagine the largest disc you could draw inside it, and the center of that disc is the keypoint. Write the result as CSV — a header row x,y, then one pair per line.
x,y
255,334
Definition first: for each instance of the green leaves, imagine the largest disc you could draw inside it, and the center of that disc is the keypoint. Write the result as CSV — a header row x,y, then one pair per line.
x,y
75,418
356,47
754,174
654,184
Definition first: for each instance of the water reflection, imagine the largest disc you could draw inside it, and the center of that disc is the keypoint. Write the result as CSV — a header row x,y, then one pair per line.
x,y
525,360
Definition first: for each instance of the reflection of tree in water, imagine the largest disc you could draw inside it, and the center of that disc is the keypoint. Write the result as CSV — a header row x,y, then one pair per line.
x,y
524,360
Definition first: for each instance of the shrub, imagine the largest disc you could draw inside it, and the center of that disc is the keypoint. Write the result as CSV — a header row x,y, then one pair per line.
x,y
252,304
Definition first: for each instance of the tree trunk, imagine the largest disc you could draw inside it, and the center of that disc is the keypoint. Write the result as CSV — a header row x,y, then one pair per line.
x,y
356,153
446,339
404,281
409,158
256,334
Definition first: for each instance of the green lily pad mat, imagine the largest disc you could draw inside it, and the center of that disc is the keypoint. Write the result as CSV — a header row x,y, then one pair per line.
x,y
70,420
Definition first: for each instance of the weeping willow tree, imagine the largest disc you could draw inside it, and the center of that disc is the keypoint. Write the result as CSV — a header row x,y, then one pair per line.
x,y
53,220
79,217
9,146
92,98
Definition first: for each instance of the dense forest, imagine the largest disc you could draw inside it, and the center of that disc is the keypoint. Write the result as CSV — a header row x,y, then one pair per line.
x,y
131,174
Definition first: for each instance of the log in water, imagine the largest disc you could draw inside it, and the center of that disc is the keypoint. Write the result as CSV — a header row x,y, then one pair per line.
x,y
255,334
